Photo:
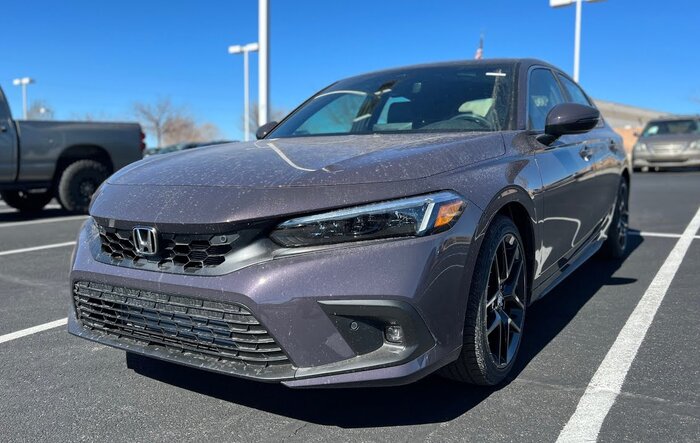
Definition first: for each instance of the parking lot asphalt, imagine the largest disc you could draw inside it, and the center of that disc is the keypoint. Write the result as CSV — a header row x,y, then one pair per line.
x,y
57,387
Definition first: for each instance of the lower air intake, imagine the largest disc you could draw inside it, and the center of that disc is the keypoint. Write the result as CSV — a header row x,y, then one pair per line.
x,y
213,330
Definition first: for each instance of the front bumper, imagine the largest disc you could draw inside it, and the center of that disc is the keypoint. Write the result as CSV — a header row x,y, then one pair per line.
x,y
680,159
323,308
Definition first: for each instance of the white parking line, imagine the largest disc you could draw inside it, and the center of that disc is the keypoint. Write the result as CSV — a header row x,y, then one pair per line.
x,y
4,209
37,248
43,220
604,387
33,330
659,234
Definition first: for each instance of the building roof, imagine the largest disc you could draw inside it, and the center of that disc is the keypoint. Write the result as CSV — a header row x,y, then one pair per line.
x,y
626,116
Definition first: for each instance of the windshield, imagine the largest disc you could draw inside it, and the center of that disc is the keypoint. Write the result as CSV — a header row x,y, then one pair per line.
x,y
425,99
671,127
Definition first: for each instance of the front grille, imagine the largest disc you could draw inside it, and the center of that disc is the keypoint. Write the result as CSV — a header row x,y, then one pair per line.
x,y
176,252
667,148
223,332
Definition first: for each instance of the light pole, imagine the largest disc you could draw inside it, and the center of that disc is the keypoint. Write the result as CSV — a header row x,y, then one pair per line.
x,y
577,32
263,61
245,49
23,82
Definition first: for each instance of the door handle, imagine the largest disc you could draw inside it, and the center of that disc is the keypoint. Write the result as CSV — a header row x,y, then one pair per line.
x,y
586,153
3,128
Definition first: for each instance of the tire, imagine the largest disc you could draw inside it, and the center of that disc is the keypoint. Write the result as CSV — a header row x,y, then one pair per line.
x,y
615,245
77,184
26,201
480,362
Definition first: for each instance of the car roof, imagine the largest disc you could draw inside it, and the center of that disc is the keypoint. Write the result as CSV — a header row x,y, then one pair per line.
x,y
672,118
515,62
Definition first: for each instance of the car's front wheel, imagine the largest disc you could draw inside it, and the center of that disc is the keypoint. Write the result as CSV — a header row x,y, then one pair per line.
x,y
615,246
495,316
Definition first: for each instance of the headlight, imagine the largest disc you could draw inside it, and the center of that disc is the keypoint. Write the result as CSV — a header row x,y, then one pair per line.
x,y
640,147
695,145
414,216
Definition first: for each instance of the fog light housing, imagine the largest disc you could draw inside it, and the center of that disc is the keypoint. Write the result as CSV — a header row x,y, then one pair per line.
x,y
393,334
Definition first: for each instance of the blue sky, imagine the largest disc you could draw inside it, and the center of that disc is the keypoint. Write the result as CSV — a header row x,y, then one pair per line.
x,y
100,57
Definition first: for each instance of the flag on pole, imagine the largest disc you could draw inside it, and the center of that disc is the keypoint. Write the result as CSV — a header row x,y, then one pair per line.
x,y
480,50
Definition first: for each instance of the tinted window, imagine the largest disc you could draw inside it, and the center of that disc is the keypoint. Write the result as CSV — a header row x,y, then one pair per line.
x,y
543,95
424,99
671,127
576,94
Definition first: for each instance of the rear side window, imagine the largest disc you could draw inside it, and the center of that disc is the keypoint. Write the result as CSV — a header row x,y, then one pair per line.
x,y
543,95
576,94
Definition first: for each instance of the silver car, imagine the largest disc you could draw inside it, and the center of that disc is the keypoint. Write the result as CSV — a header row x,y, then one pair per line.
x,y
670,142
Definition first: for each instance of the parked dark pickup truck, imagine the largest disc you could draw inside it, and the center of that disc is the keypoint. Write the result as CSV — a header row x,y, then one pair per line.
x,y
40,160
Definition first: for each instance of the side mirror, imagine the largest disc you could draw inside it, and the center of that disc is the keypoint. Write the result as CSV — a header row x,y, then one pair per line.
x,y
264,130
569,118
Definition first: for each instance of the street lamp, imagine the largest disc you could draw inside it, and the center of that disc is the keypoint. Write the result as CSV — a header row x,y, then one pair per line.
x,y
245,49
23,82
263,61
577,36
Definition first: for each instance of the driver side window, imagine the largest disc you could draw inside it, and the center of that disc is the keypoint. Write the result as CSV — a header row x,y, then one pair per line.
x,y
543,94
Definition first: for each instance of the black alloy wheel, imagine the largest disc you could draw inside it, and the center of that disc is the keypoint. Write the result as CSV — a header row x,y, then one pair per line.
x,y
504,301
615,247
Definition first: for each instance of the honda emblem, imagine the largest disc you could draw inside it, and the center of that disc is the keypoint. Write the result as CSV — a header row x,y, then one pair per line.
x,y
145,240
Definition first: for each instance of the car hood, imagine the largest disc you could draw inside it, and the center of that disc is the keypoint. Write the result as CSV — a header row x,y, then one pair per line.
x,y
314,161
215,189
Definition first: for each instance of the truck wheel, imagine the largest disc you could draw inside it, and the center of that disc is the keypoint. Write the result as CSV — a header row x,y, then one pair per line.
x,y
78,182
26,201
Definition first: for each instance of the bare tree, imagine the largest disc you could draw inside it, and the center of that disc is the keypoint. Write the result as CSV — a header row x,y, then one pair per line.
x,y
154,116
182,128
275,115
171,124
39,110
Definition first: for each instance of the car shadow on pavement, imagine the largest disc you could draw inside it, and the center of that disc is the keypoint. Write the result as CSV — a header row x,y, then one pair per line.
x,y
431,400
547,317
10,215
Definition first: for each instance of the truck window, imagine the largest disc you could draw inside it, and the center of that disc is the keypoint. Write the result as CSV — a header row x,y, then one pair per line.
x,y
4,107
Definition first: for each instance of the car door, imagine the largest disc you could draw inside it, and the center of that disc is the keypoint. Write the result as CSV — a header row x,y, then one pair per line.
x,y
566,166
8,141
604,149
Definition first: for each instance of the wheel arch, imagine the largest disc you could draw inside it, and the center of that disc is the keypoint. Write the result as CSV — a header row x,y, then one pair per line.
x,y
81,152
516,204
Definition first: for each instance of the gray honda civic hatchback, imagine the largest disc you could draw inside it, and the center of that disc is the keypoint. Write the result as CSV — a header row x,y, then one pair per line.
x,y
396,224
